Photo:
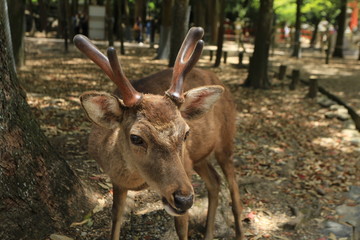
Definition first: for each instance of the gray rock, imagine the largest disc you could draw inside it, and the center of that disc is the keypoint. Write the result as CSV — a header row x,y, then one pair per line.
x,y
338,229
325,102
355,141
354,193
350,214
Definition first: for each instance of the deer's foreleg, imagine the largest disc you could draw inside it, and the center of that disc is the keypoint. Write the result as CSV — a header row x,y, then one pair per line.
x,y
225,161
119,200
212,182
181,226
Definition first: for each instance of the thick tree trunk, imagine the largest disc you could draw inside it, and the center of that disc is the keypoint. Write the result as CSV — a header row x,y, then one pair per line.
x,y
17,27
39,193
213,20
297,35
258,71
180,27
165,30
42,4
220,38
139,9
339,45
199,13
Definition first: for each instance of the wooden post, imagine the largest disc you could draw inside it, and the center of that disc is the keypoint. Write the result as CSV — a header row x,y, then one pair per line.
x,y
211,55
313,87
282,72
241,57
225,57
295,76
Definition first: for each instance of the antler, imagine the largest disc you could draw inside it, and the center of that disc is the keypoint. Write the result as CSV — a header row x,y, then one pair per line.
x,y
113,69
187,57
129,95
86,46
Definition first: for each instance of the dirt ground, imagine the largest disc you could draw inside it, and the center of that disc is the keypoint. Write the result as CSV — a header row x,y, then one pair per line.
x,y
293,165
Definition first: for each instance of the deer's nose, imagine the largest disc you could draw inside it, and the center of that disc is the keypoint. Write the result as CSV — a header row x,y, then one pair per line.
x,y
183,202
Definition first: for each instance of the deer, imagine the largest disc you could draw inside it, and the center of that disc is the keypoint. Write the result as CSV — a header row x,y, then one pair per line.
x,y
156,131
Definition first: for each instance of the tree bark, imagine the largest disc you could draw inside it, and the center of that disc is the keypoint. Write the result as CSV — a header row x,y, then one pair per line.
x,y
213,20
17,26
220,38
139,9
64,23
39,193
339,45
180,27
165,30
314,34
109,22
297,43
258,71
119,25
43,14
199,13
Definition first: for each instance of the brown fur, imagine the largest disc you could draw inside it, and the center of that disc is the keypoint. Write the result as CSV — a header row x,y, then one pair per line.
x,y
166,161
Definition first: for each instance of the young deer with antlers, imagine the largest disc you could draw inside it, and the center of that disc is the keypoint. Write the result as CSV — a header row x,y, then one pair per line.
x,y
155,139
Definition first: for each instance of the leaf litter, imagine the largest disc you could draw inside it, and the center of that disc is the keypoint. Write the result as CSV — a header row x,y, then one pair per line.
x,y
288,155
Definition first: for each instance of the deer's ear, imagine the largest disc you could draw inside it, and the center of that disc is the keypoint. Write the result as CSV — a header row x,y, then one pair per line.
x,y
102,108
199,100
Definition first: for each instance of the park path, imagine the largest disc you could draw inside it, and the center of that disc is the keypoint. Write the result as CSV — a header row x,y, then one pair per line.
x,y
341,77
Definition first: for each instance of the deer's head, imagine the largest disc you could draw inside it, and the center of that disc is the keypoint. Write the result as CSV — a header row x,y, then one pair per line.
x,y
153,129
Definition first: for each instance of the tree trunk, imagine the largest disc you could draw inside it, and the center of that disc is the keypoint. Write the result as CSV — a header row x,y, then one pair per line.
x,y
109,22
127,22
64,25
42,4
139,9
17,26
119,25
199,13
165,30
314,34
39,193
213,20
297,35
220,38
338,51
180,27
258,71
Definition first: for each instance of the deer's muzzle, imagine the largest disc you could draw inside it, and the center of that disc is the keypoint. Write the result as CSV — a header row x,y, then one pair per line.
x,y
181,204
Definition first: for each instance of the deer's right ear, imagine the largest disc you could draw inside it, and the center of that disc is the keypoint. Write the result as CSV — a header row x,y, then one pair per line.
x,y
102,108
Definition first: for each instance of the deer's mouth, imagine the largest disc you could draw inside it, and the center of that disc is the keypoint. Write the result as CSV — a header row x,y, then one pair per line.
x,y
172,210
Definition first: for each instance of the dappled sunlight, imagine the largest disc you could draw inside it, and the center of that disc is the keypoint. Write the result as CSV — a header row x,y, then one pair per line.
x,y
265,222
287,153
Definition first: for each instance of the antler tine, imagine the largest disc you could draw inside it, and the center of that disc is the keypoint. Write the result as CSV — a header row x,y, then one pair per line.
x,y
129,95
89,49
186,59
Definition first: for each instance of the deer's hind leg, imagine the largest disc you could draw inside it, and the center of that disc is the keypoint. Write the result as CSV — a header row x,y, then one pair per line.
x,y
225,160
212,182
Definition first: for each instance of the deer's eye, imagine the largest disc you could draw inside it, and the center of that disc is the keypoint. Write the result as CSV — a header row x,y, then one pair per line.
x,y
136,140
186,135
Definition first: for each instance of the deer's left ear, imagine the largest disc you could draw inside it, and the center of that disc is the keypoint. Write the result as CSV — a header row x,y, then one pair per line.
x,y
199,100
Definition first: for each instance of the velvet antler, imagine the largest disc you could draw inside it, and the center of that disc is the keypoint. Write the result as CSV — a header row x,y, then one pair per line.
x,y
129,95
113,69
186,59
